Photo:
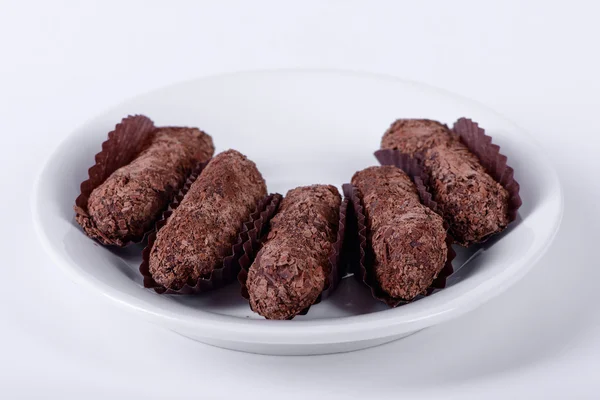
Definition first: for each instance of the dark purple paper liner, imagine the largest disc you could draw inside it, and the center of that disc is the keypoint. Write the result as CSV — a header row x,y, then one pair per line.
x,y
219,276
124,143
491,159
253,236
363,260
336,258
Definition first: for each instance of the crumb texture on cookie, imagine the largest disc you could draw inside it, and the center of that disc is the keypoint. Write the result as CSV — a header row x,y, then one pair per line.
x,y
290,271
472,202
202,229
408,240
132,197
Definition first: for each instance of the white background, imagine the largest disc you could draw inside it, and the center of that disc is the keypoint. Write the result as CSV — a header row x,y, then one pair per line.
x,y
536,62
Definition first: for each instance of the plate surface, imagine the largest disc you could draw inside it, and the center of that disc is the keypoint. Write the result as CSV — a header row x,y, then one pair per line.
x,y
300,127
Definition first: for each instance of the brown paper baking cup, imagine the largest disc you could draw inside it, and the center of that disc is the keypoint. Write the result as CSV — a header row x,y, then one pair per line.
x,y
337,258
490,158
124,143
362,259
253,235
228,271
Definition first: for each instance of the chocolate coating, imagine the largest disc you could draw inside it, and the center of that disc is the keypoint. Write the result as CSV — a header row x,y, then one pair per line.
x,y
203,228
126,204
408,239
291,269
473,203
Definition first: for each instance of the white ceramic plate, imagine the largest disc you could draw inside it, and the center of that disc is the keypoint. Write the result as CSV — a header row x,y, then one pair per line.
x,y
300,127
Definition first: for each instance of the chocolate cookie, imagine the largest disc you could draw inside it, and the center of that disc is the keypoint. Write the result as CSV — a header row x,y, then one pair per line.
x,y
407,239
291,270
201,230
472,202
126,204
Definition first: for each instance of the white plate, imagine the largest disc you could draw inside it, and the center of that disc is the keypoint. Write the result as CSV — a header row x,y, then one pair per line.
x,y
300,127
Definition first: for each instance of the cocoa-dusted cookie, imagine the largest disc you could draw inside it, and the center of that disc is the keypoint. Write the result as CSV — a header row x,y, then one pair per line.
x,y
472,202
127,203
407,240
202,229
291,270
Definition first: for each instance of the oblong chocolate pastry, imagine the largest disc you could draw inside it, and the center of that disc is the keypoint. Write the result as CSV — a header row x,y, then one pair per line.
x,y
407,240
473,203
202,229
127,203
292,269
